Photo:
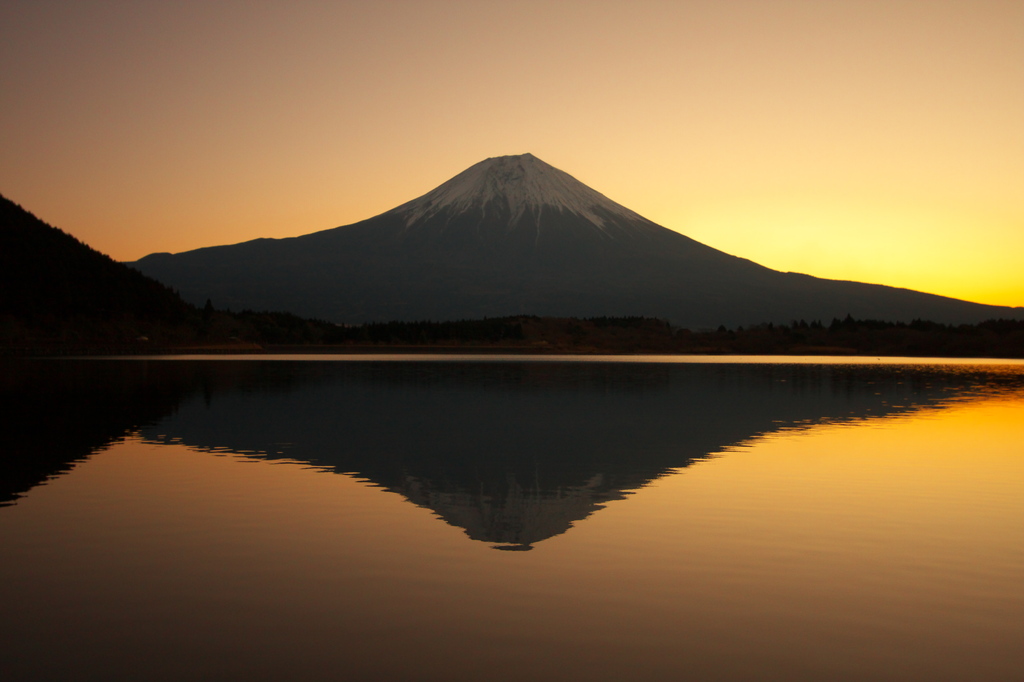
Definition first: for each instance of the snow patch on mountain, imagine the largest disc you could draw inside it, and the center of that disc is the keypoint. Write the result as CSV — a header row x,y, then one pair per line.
x,y
525,182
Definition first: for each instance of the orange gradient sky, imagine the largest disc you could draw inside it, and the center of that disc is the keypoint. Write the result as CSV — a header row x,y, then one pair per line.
x,y
879,141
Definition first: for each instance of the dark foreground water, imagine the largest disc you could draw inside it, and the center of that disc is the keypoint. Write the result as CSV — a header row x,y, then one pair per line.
x,y
511,519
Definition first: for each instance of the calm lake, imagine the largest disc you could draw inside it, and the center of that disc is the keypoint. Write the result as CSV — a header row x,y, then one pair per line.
x,y
512,518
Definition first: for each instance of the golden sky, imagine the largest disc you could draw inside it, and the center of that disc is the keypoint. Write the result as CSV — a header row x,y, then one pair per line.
x,y
872,140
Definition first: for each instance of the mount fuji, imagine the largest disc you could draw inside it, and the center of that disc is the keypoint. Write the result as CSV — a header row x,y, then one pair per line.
x,y
513,235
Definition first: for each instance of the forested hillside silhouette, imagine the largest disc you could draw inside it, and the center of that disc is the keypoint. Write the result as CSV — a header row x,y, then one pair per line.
x,y
55,289
59,296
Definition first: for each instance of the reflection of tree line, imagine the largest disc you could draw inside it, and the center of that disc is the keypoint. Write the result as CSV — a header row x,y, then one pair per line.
x,y
511,452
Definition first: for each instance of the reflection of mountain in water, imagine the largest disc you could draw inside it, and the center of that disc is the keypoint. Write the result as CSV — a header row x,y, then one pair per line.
x,y
513,453
516,452
59,412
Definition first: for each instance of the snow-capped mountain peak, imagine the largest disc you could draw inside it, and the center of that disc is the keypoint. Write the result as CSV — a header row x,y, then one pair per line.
x,y
525,182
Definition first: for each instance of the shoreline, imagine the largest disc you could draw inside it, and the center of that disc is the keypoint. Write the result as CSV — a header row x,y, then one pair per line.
x,y
244,349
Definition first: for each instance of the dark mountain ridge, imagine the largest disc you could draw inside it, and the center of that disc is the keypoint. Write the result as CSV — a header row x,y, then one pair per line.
x,y
513,235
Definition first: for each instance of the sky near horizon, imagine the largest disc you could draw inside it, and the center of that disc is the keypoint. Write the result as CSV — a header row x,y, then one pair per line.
x,y
872,140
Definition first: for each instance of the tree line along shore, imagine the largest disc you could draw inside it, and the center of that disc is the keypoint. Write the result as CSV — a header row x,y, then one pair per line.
x,y
213,331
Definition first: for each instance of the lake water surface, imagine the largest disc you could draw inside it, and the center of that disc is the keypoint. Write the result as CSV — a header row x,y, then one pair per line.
x,y
512,518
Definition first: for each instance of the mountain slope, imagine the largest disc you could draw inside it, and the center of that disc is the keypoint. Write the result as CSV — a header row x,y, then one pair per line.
x,y
514,235
55,288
